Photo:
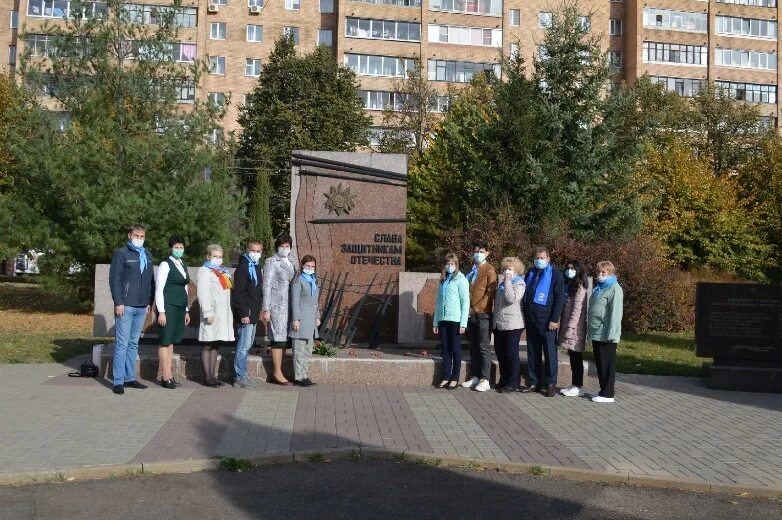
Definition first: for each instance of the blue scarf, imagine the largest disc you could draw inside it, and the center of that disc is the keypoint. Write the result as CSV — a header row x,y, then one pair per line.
x,y
513,281
221,268
473,273
251,266
312,280
602,286
544,284
142,255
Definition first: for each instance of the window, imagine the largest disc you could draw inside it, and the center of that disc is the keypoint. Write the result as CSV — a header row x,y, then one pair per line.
x,y
485,7
586,23
217,31
254,3
292,31
184,52
465,35
325,37
252,67
215,136
48,8
749,27
185,91
515,18
655,52
675,20
292,5
326,6
39,45
514,50
248,100
615,59
216,98
14,19
381,100
156,14
217,65
686,87
757,3
615,27
756,93
370,65
459,71
544,20
383,29
402,3
219,2
745,59
255,33
12,55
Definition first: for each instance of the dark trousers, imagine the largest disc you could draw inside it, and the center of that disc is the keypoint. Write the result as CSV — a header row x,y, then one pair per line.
x,y
577,367
451,347
479,335
540,342
506,346
605,361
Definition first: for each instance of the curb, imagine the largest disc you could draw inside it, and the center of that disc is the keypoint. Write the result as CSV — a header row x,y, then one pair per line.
x,y
430,459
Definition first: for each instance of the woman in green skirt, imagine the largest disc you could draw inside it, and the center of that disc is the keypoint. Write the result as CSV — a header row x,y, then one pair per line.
x,y
171,302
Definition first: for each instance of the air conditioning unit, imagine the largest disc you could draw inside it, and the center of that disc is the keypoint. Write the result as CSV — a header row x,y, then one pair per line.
x,y
255,9
213,8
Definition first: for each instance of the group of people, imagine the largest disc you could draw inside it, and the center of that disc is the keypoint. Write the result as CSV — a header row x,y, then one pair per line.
x,y
282,295
557,309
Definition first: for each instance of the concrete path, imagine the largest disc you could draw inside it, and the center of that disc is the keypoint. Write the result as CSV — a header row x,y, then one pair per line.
x,y
664,427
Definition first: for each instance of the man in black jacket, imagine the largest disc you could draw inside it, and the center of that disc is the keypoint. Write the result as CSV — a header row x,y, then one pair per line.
x,y
132,287
246,302
544,299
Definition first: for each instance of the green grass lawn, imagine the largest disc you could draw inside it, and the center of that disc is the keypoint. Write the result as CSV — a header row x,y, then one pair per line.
x,y
38,328
657,353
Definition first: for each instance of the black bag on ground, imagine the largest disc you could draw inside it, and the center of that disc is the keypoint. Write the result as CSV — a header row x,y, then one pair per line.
x,y
87,369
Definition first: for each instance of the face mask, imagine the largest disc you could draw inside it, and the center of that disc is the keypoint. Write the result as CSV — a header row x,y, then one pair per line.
x,y
254,257
284,251
509,271
540,263
479,258
177,253
450,269
216,261
308,270
601,278
137,242
570,274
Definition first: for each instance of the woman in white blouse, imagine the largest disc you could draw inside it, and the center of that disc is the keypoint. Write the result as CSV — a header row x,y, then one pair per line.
x,y
172,307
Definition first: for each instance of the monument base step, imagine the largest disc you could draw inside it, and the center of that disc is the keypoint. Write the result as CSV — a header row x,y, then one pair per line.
x,y
384,366
743,379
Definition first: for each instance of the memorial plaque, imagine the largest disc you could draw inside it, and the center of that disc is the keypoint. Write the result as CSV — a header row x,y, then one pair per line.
x,y
348,210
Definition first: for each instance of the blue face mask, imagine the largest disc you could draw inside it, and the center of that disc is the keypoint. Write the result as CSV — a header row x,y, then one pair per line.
x,y
540,263
450,269
479,258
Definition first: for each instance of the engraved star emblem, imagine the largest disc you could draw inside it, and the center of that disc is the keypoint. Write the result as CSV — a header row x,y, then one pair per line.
x,y
339,200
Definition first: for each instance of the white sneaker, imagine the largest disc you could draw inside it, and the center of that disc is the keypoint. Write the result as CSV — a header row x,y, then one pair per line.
x,y
564,391
483,386
470,383
601,399
572,391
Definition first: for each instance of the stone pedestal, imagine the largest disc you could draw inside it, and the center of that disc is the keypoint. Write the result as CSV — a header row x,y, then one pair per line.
x,y
743,378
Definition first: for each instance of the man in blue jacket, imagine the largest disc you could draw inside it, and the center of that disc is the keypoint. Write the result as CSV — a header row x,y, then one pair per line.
x,y
132,289
544,299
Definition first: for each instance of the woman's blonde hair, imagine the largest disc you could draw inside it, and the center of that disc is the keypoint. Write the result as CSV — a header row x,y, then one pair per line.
x,y
450,257
606,266
211,248
518,265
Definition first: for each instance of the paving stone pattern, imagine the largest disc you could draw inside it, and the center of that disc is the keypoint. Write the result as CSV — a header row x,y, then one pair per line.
x,y
658,426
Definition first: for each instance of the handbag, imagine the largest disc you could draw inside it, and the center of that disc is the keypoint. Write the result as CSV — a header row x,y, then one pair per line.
x,y
87,369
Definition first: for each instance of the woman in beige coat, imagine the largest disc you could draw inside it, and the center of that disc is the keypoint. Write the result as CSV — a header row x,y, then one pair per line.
x,y
509,322
214,283
573,324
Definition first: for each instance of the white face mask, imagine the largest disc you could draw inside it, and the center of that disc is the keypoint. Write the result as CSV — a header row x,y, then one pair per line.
x,y
284,252
137,242
601,278
216,261
254,256
509,271
308,270
450,268
570,274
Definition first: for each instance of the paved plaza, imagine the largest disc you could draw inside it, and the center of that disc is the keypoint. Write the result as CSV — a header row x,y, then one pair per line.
x,y
666,427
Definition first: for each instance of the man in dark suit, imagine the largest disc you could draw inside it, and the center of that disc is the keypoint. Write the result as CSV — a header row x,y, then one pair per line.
x,y
246,303
544,299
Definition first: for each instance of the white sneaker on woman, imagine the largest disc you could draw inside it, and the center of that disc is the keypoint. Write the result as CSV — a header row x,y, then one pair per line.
x,y
601,399
564,391
571,391
470,383
483,385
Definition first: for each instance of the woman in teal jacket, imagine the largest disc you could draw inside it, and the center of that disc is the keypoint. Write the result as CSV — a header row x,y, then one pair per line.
x,y
605,328
450,319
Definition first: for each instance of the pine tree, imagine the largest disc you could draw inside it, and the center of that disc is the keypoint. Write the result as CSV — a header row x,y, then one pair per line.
x,y
260,225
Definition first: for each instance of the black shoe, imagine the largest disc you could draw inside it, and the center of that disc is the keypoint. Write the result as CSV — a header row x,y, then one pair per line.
x,y
304,382
176,383
134,384
118,389
551,391
530,389
168,383
501,389
211,384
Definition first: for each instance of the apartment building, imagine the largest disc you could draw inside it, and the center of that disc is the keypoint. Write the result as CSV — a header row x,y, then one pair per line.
x,y
680,43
